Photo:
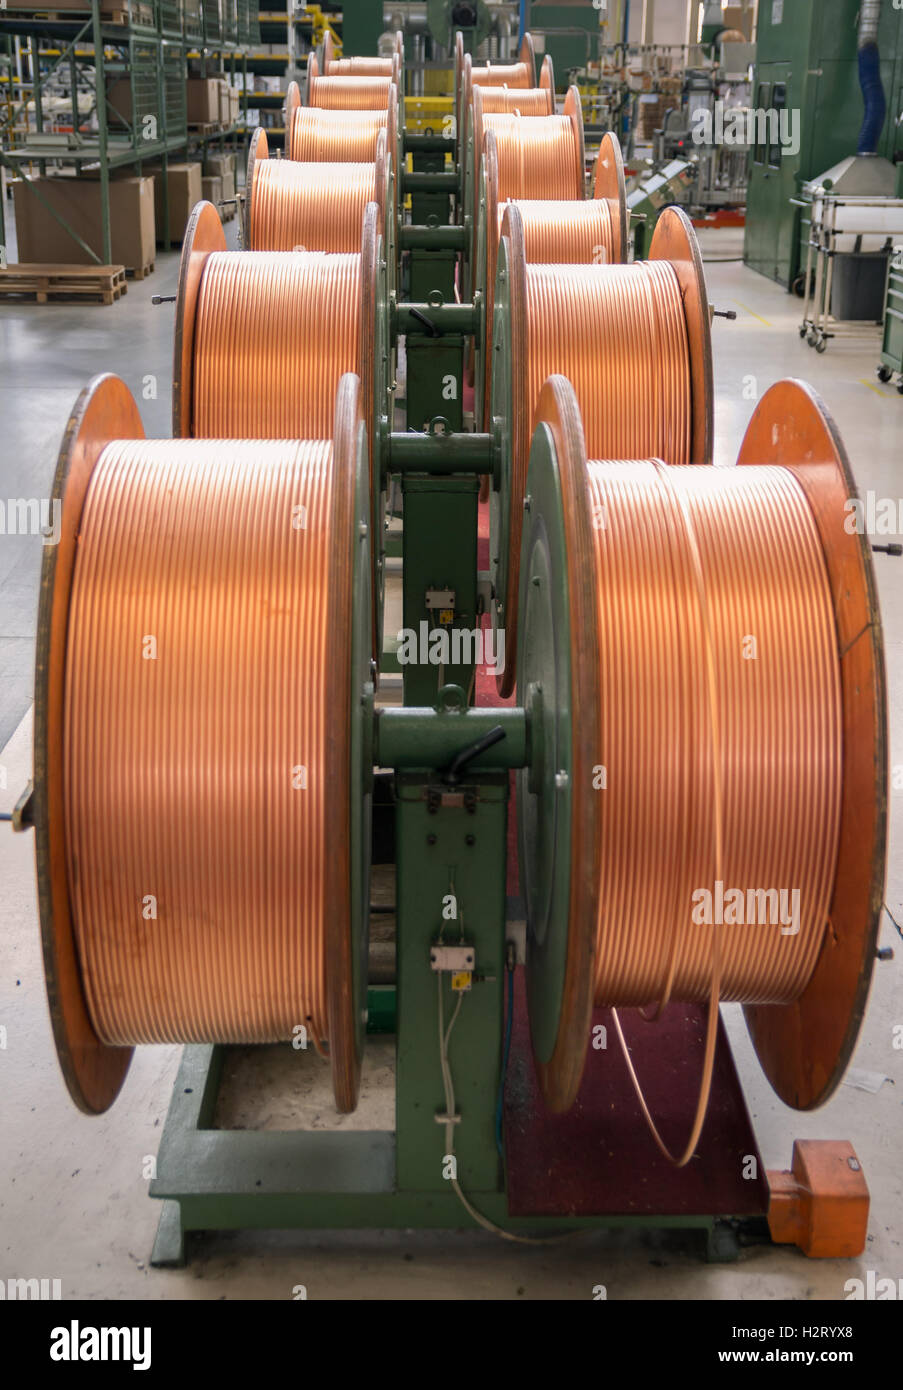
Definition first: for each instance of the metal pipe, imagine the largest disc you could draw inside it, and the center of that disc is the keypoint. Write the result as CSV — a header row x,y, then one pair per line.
x,y
439,454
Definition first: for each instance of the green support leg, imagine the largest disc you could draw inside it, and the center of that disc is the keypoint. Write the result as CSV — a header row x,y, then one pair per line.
x,y
440,554
451,859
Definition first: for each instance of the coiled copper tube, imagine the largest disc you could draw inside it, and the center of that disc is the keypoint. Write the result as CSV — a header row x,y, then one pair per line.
x,y
578,232
538,156
358,67
317,135
350,93
719,723
775,732
618,333
273,334
573,232
316,207
200,811
501,75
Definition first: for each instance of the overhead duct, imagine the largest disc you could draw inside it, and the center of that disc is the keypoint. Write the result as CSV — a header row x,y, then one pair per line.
x,y
870,78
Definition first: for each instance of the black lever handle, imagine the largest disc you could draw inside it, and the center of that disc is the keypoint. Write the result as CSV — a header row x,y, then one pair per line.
x,y
460,760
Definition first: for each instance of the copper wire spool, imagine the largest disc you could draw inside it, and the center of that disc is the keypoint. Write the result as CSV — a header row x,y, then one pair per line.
x,y
571,231
634,342
320,207
492,74
318,135
195,852
756,767
360,66
350,93
568,233
538,156
500,100
263,338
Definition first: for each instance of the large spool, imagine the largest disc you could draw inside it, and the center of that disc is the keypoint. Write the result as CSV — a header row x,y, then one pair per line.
x,y
263,338
576,231
315,134
634,340
363,66
348,93
190,888
502,100
319,207
762,766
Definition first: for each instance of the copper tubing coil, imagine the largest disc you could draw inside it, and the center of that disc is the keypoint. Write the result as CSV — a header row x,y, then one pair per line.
x,y
572,231
350,93
360,66
718,780
619,334
530,101
708,599
575,232
519,74
293,322
686,558
320,207
322,135
329,137
192,544
500,74
538,156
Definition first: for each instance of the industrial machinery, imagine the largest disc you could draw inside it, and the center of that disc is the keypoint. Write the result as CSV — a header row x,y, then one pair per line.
x,y
838,70
212,738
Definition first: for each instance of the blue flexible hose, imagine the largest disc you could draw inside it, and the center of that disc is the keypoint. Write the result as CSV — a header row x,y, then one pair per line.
x,y
874,98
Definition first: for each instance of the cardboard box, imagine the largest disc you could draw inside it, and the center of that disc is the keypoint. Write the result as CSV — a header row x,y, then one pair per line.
x,y
41,238
184,189
212,189
202,100
735,17
225,104
219,164
228,181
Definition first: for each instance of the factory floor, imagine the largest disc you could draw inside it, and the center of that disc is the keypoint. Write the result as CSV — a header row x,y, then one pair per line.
x,y
73,1195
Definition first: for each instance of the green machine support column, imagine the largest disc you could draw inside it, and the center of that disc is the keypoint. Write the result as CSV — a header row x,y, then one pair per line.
x,y
439,585
451,859
436,332
435,380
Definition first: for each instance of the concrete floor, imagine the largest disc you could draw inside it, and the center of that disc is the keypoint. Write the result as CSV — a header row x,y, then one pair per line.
x,y
73,1201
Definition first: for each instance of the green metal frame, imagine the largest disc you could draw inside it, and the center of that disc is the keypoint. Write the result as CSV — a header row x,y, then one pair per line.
x,y
154,46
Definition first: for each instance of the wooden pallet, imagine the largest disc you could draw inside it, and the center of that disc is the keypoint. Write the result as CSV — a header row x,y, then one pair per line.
x,y
135,272
44,284
208,128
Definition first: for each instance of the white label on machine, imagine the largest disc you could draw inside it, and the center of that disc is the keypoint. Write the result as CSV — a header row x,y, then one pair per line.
x,y
777,11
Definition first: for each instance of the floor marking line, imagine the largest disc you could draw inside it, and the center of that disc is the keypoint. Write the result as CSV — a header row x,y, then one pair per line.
x,y
754,314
